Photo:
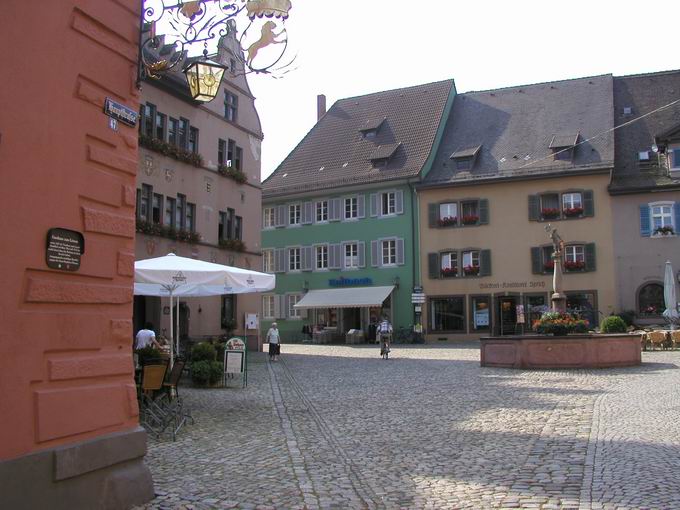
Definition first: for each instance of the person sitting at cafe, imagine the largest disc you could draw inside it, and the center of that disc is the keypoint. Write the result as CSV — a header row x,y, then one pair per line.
x,y
146,337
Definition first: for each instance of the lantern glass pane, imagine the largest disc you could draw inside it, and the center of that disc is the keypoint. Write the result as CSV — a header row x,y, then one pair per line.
x,y
204,78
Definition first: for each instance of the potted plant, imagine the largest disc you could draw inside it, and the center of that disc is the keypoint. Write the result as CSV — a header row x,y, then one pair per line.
x,y
574,265
471,270
232,244
448,221
550,213
666,230
470,219
572,212
449,272
559,324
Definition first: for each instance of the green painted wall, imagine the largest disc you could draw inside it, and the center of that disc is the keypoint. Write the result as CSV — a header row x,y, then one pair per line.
x,y
366,229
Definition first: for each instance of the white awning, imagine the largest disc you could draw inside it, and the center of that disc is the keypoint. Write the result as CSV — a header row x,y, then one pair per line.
x,y
351,297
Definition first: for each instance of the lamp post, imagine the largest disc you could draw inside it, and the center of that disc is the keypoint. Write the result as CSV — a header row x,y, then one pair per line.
x,y
178,31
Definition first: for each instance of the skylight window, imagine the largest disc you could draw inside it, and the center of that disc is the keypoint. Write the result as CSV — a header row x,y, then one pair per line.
x,y
465,158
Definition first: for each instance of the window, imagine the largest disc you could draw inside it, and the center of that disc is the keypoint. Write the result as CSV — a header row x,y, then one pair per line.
x,y
351,208
470,210
388,203
293,299
157,208
574,257
170,206
294,214
238,158
449,264
571,202
294,259
180,211
448,214
172,131
548,262
351,256
160,126
238,227
583,304
220,225
229,312
191,216
221,151
662,216
470,263
268,217
550,205
322,257
268,307
675,158
229,232
183,133
389,252
145,202
322,211
463,163
268,261
650,300
447,314
480,313
149,114
193,140
230,106
232,65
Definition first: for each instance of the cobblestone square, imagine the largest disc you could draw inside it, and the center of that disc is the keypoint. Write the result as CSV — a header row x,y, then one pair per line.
x,y
336,427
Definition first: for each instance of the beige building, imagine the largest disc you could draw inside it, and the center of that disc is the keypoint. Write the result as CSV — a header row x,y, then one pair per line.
x,y
198,193
510,163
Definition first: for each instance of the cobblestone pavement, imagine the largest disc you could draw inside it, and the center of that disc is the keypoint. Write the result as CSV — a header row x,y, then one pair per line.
x,y
336,427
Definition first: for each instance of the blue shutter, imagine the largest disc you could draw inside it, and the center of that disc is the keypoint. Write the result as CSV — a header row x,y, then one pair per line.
x,y
676,213
645,221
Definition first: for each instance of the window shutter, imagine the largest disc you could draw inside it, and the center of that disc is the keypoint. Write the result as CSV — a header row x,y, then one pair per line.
x,y
307,258
286,260
334,209
588,203
676,214
280,260
589,251
138,203
399,201
361,206
400,252
374,253
277,307
484,262
484,211
334,260
374,204
433,215
534,207
536,262
645,224
307,213
361,252
433,265
286,306
282,311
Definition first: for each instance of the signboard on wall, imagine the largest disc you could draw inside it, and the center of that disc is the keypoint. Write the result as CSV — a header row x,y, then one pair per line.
x,y
64,248
251,321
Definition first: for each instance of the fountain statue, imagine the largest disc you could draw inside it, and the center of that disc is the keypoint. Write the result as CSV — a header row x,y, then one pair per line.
x,y
558,299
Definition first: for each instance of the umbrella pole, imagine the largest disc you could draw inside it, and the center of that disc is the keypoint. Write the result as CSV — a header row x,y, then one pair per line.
x,y
172,337
177,326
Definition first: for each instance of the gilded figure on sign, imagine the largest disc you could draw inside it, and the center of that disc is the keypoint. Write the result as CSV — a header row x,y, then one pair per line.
x,y
268,37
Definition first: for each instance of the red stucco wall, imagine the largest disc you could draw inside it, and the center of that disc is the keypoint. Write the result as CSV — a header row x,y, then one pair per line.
x,y
65,358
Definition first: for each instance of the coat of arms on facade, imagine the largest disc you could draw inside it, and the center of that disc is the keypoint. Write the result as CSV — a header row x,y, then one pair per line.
x,y
169,174
148,165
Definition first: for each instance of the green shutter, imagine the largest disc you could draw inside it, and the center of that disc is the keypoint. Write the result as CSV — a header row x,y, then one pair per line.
x,y
485,263
433,214
588,203
433,265
484,211
534,208
536,262
589,250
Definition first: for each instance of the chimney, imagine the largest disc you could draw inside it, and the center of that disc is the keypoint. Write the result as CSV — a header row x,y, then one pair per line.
x,y
320,106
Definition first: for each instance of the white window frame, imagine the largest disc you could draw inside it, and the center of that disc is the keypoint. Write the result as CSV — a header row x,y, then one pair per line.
x,y
670,216
446,258
353,208
568,201
390,204
320,205
268,306
294,252
268,261
317,249
391,252
269,217
351,261
297,215
575,253
448,206
291,301
471,255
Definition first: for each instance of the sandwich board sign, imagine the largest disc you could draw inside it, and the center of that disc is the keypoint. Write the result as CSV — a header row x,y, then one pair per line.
x,y
235,360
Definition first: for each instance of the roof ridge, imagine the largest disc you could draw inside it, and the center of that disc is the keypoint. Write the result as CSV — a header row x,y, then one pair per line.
x,y
536,84
437,82
644,75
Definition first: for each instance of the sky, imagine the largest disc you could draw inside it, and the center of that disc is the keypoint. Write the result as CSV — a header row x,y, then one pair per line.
x,y
346,48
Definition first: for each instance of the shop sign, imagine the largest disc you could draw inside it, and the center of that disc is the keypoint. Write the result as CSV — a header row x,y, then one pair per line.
x,y
64,248
348,282
513,285
120,112
417,298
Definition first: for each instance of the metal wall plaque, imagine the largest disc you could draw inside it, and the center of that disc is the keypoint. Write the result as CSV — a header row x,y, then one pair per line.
x,y
64,248
120,112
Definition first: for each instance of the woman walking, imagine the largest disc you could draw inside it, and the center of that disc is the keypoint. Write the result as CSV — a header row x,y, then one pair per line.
x,y
274,342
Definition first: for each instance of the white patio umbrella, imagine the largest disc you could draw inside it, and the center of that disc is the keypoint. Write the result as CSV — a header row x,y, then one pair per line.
x,y
669,295
172,275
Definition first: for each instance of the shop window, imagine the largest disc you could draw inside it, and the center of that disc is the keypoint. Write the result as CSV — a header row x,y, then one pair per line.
x,y
650,300
583,304
481,313
447,314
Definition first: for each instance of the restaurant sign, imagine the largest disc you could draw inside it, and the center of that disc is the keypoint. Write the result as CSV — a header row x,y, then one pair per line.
x,y
64,248
348,282
120,112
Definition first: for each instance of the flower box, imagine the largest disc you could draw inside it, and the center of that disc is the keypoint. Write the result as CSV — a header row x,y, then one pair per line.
x,y
549,266
471,270
155,229
449,272
664,231
550,213
470,219
170,150
577,265
572,212
232,244
448,221
232,173
558,324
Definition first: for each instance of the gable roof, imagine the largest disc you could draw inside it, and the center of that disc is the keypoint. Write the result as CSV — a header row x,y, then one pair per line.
x,y
410,117
644,93
515,127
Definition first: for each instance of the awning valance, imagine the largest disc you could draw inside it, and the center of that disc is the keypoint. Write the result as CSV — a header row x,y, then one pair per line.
x,y
351,297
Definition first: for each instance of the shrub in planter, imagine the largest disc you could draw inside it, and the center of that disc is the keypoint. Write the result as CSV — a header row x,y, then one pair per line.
x,y
571,212
448,221
203,351
559,324
200,372
148,353
550,212
576,265
216,372
613,324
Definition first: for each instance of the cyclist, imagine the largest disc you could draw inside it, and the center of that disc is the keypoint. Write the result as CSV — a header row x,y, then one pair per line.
x,y
385,335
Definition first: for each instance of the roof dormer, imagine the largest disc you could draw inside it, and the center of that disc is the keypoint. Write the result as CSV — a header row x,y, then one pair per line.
x,y
562,146
383,153
464,159
369,128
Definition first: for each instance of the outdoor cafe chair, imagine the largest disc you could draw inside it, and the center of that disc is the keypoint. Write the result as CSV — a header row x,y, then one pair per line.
x,y
657,338
153,409
175,407
675,338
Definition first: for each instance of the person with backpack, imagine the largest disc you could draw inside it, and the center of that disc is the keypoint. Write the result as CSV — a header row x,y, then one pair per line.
x,y
384,331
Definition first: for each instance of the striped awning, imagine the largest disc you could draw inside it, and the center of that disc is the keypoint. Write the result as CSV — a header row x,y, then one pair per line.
x,y
351,297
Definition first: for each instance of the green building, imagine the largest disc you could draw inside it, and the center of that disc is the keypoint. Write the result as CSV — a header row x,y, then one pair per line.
x,y
340,214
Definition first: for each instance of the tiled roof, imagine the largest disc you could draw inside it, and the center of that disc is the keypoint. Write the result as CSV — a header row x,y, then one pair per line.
x,y
516,125
371,124
334,153
643,93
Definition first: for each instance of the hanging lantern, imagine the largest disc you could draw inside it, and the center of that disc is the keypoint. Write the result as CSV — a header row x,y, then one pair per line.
x,y
204,77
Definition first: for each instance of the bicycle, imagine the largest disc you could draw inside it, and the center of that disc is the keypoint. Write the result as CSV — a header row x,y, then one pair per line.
x,y
385,346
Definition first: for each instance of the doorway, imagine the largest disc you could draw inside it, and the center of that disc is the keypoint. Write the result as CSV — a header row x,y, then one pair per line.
x,y
507,315
351,319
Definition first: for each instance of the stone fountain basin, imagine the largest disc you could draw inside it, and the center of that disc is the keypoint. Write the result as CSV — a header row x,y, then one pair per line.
x,y
571,351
